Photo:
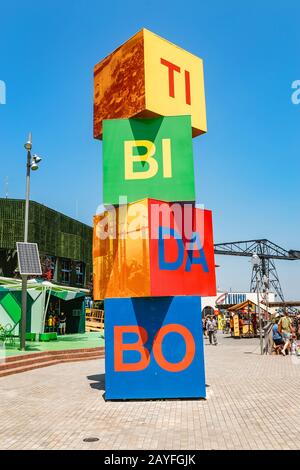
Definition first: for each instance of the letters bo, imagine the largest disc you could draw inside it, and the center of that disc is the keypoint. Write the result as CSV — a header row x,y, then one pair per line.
x,y
148,158
162,80
157,352
139,346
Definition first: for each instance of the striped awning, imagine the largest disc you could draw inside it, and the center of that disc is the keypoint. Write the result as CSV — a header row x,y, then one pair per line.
x,y
67,295
35,287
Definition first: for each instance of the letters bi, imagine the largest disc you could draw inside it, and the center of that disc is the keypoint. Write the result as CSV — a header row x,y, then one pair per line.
x,y
139,346
148,158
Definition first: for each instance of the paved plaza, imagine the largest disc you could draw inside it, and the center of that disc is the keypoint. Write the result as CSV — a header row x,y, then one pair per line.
x,y
253,403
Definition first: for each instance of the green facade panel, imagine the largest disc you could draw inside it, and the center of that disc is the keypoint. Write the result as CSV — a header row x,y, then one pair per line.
x,y
148,158
12,307
56,234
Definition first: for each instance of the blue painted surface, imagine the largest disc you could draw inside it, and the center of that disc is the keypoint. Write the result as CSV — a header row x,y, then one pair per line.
x,y
152,314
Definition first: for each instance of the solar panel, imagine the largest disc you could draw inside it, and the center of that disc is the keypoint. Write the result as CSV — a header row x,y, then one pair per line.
x,y
29,259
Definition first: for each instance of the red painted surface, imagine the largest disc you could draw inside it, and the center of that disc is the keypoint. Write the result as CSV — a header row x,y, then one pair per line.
x,y
187,87
188,276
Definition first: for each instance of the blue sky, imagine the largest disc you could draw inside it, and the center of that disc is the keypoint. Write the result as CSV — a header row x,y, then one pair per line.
x,y
247,165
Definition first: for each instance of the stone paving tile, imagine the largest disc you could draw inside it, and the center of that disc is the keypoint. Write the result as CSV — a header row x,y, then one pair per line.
x,y
252,403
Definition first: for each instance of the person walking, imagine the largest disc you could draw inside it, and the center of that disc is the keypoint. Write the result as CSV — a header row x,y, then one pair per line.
x,y
285,328
227,324
204,326
277,338
296,326
206,320
254,324
212,330
62,323
231,325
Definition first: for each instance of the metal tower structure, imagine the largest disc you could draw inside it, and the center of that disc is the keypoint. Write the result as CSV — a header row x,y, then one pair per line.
x,y
268,252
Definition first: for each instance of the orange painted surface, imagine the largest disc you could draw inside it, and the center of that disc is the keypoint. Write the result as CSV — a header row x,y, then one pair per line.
x,y
121,266
190,348
119,347
119,84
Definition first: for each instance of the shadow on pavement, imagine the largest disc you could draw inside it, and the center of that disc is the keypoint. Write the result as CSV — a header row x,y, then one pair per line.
x,y
98,381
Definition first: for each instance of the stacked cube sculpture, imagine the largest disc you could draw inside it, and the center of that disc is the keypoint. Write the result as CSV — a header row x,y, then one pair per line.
x,y
153,249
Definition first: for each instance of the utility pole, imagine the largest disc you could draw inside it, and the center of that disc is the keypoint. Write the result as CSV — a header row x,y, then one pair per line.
x,y
31,164
256,265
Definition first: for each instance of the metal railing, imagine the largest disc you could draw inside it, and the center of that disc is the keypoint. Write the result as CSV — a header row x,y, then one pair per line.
x,y
94,319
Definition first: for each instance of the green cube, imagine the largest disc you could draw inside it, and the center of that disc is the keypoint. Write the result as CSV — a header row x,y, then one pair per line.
x,y
148,158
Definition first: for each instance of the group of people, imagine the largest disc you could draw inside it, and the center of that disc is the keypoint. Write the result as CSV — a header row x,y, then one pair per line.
x,y
210,327
286,333
56,323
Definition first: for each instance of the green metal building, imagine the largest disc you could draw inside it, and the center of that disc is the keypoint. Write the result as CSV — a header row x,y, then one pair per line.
x,y
65,245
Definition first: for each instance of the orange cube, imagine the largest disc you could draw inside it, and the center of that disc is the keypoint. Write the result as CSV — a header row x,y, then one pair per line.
x,y
149,77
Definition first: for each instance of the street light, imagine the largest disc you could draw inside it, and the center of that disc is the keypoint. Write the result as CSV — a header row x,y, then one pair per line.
x,y
32,164
256,265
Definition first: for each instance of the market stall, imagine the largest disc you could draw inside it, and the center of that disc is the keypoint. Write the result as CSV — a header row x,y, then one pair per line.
x,y
244,319
44,300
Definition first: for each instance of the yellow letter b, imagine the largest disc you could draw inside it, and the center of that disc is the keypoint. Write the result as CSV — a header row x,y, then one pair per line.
x,y
148,157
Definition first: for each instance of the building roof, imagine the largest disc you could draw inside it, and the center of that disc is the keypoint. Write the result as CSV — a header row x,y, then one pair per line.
x,y
63,292
245,305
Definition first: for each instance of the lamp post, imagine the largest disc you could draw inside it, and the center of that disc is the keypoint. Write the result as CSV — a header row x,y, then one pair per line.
x,y
256,265
31,164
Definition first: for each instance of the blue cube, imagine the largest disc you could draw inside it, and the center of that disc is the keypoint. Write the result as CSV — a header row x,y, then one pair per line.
x,y
154,348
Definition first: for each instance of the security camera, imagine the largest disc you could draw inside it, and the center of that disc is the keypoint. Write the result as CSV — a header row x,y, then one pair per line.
x,y
36,158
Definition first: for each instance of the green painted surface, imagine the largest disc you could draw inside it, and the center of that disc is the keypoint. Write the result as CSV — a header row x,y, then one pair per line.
x,y
48,336
12,307
177,187
67,295
30,336
78,341
82,317
45,337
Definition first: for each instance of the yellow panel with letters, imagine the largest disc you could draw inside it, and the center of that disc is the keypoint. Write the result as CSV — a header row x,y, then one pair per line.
x,y
174,81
